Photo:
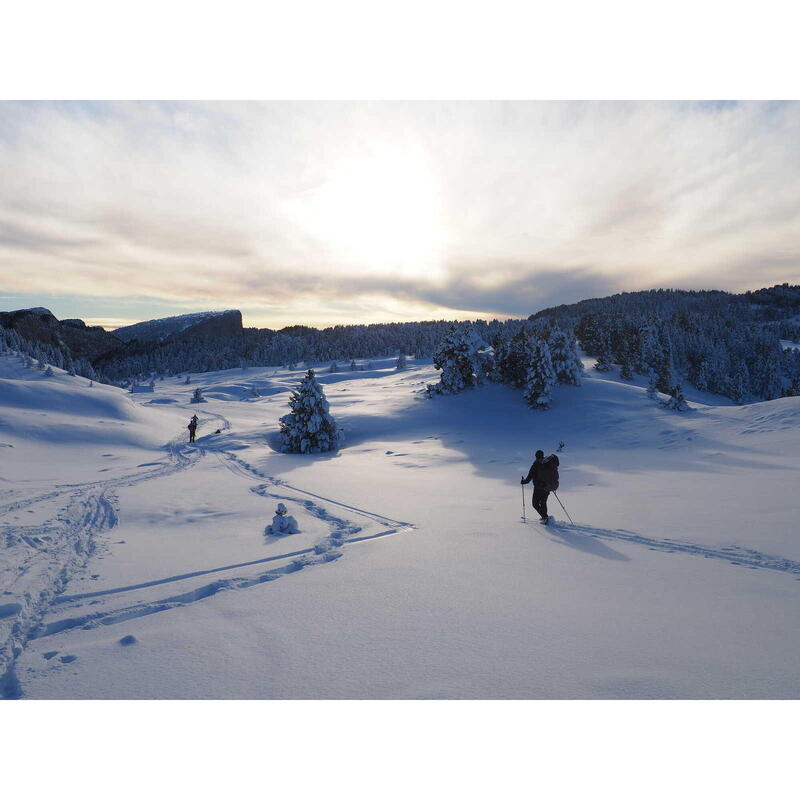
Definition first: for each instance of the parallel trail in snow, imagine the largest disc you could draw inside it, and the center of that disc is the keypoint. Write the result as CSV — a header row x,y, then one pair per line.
x,y
66,544
241,467
733,554
342,533
300,559
56,549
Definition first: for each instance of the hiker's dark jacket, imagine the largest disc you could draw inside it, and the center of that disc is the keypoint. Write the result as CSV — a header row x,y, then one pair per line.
x,y
538,474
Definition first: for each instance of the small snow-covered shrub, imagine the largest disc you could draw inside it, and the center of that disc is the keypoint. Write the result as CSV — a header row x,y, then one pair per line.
x,y
676,401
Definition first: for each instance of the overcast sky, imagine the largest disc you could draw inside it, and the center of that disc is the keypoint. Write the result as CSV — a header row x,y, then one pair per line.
x,y
323,213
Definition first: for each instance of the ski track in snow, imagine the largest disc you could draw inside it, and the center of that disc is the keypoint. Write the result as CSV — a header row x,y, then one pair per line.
x,y
73,533
733,554
49,554
243,468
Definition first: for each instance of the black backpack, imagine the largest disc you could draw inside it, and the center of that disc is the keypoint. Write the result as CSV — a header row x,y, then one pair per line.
x,y
550,472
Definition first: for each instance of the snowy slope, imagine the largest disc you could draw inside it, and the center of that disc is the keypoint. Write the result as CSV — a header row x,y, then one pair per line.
x,y
413,574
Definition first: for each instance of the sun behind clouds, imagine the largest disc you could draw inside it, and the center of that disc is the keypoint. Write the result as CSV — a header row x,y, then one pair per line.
x,y
378,215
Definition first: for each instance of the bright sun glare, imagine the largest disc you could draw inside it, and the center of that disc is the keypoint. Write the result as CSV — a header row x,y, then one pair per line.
x,y
379,215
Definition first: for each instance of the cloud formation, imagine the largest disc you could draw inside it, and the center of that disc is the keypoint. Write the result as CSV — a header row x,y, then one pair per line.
x,y
327,212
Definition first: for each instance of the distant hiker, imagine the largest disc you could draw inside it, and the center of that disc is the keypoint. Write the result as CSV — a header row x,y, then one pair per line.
x,y
192,427
544,474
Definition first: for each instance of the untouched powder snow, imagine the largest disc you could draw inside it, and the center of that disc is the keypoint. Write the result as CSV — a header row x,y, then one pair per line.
x,y
135,565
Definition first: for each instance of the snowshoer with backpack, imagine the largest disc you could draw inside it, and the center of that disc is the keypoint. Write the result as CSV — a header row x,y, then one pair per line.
x,y
192,427
544,474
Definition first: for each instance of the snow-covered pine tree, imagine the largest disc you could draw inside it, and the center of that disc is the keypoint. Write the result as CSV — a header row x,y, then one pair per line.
x,y
564,354
540,378
353,366
676,401
739,384
197,396
254,391
701,379
664,366
309,427
457,357
510,358
603,363
48,373
604,357
626,367
187,381
333,367
652,384
401,361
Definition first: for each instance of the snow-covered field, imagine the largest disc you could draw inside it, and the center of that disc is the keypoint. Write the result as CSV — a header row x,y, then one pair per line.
x,y
135,565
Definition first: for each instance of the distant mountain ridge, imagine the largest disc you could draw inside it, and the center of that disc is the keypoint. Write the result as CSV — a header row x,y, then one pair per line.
x,y
709,336
203,323
73,336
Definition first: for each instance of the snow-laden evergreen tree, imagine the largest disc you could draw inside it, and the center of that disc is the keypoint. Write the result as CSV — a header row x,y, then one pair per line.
x,y
401,361
676,400
739,384
510,357
652,384
353,366
48,373
649,350
333,367
309,427
603,363
541,378
664,368
603,349
254,391
701,378
187,381
197,396
567,363
457,356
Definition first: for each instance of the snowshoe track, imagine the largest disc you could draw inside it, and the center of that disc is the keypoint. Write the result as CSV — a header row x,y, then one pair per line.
x,y
733,554
50,553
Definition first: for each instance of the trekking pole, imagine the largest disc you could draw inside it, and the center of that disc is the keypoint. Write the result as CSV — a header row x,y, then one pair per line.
x,y
565,510
523,502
